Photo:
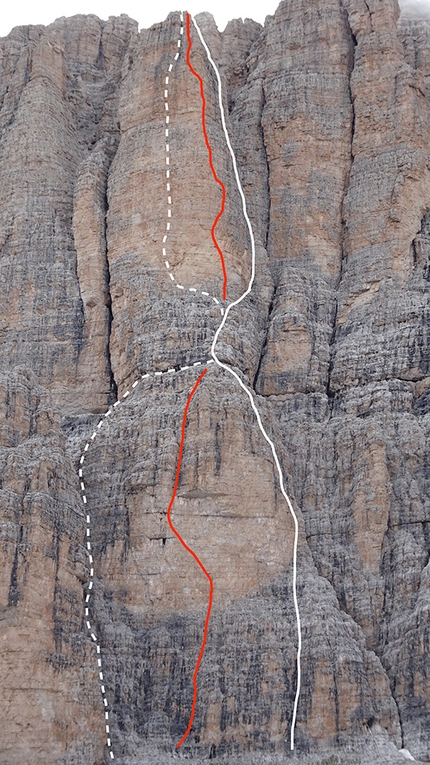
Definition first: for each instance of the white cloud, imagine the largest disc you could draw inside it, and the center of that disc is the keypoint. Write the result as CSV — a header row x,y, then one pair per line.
x,y
416,9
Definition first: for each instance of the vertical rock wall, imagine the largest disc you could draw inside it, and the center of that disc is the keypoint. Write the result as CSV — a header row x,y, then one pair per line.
x,y
327,107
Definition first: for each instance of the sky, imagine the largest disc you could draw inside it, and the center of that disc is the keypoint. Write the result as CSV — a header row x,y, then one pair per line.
x,y
146,12
416,8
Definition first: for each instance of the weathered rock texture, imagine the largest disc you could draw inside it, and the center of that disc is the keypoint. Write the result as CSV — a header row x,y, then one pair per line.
x,y
328,111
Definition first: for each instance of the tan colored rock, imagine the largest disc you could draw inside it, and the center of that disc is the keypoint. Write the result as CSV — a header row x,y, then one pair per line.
x,y
51,703
327,108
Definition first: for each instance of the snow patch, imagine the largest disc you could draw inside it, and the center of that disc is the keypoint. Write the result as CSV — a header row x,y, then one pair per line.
x,y
407,755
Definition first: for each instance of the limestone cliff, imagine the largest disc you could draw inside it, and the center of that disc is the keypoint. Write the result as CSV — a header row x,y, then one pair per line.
x,y
109,273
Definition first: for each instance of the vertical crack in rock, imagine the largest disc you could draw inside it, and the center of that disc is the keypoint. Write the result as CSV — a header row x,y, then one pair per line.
x,y
56,604
15,594
113,385
266,233
267,168
332,347
89,225
265,340
332,342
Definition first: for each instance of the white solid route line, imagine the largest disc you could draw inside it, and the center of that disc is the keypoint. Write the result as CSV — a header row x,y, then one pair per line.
x,y
169,198
169,371
97,432
249,392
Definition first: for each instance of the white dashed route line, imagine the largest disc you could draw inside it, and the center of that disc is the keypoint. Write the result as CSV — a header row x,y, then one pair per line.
x,y
250,393
168,186
112,409
215,359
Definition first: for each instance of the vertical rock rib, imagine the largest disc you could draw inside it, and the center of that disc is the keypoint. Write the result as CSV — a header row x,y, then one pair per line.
x,y
380,358
95,383
306,123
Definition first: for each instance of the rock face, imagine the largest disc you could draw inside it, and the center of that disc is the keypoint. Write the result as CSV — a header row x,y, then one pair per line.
x,y
104,176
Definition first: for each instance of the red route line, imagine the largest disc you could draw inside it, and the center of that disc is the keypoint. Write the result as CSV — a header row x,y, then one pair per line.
x,y
206,573
202,93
